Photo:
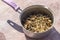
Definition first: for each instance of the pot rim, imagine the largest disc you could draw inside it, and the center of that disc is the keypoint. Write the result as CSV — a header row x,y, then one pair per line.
x,y
47,9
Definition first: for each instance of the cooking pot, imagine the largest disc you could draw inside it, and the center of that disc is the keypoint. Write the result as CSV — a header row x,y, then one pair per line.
x,y
30,11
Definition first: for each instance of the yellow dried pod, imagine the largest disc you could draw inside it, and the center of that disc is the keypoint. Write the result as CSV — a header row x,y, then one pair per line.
x,y
49,21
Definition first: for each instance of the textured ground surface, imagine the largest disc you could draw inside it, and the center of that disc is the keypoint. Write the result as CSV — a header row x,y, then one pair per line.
x,y
14,32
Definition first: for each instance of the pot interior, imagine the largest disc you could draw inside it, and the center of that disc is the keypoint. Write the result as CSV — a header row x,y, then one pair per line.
x,y
35,9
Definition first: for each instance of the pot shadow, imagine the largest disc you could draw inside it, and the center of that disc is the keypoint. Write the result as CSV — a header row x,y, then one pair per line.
x,y
15,26
54,35
2,36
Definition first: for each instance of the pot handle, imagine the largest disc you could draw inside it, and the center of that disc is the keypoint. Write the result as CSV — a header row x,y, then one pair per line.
x,y
13,5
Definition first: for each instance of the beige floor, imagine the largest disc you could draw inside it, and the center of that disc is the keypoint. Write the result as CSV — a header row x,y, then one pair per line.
x,y
7,13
